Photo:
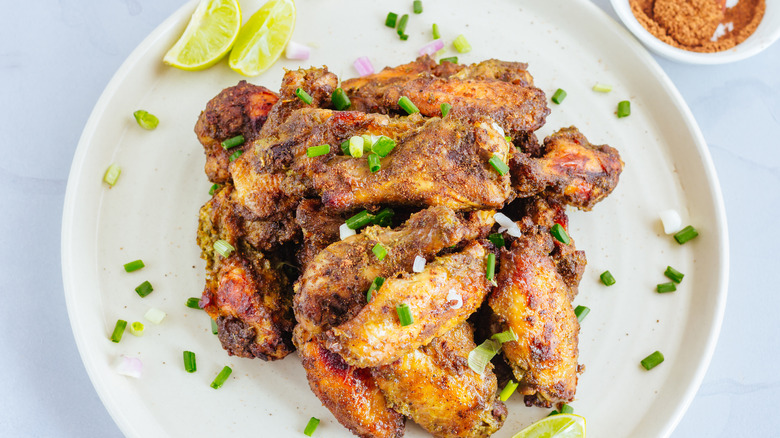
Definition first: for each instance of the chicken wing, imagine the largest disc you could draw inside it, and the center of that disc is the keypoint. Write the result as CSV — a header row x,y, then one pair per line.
x,y
319,226
435,387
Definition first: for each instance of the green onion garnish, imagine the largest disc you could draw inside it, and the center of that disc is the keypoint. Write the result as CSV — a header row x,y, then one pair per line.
x,y
340,99
233,142
497,239
223,248
154,315
404,37
304,96
566,409
356,146
418,7
404,314
436,33
505,336
112,174
508,390
673,274
560,234
384,217
359,220
401,29
311,426
554,412
499,165
189,362
214,328
491,266
134,266
407,105
383,146
193,303
379,251
119,329
445,109
581,312
137,329
607,278
144,289
685,234
214,189
345,147
652,361
452,59
559,95
666,287
375,285
461,44
316,151
602,88
145,119
391,20
234,156
221,377
481,356
373,163
624,109
508,139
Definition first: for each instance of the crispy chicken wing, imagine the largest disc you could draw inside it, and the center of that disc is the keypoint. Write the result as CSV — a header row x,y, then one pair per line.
x,y
319,226
435,387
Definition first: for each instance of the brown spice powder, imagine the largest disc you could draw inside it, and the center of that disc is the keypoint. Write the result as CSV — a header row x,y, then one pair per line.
x,y
690,24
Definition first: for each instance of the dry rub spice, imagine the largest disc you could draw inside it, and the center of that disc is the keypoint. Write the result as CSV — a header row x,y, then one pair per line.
x,y
699,25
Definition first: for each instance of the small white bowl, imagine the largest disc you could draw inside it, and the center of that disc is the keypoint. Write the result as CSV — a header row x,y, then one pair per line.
x,y
768,32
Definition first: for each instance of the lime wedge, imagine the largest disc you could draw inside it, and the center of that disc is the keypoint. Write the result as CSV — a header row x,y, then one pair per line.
x,y
209,35
555,426
263,38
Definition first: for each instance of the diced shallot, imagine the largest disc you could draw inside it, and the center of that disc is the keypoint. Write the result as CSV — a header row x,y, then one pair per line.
x,y
453,295
419,264
129,366
511,228
363,66
345,231
297,51
432,47
671,221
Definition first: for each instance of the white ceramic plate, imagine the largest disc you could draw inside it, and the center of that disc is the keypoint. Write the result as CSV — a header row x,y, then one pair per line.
x,y
151,214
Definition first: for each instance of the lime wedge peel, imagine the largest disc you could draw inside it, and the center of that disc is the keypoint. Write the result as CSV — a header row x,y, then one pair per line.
x,y
263,38
209,36
555,426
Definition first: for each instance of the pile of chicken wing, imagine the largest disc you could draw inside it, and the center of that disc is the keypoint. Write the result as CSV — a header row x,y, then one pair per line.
x,y
296,282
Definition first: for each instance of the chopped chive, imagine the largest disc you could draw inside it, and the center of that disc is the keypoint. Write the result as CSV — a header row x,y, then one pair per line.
x,y
189,362
233,142
566,409
404,314
685,234
401,29
383,146
368,142
373,163
508,139
223,248
499,165
404,37
461,44
624,109
137,329
602,88
559,95
375,285
666,287
112,174
491,266
304,96
417,7
214,188
554,412
356,146
144,289
345,147
452,59
407,105
384,217
340,99
436,33
134,265
652,360
673,274
359,220
445,109
391,19
497,239
119,330
311,426
146,120
505,336
607,278
221,377
214,328
316,151
379,251
560,234
581,312
508,390
193,303
234,156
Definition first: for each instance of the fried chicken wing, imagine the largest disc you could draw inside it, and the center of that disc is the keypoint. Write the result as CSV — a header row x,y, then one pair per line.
x,y
443,295
319,226
435,387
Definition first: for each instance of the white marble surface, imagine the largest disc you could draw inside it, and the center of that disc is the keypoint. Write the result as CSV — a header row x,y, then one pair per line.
x,y
55,60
